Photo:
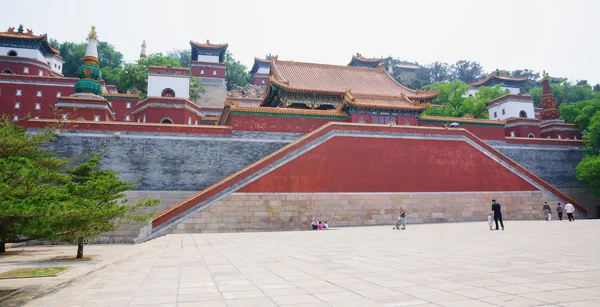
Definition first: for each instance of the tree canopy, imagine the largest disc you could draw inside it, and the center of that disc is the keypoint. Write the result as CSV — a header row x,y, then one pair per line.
x,y
453,102
564,92
237,73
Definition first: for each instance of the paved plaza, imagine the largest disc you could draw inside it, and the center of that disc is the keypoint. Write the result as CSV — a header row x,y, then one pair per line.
x,y
531,263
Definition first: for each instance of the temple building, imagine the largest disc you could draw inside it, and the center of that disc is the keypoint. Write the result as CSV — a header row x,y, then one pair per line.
x,y
512,84
359,61
367,95
259,74
208,64
406,72
511,105
25,53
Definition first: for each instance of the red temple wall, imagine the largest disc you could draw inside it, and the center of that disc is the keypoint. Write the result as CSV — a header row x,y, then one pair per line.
x,y
29,98
482,132
136,127
18,68
208,71
86,114
119,105
258,80
179,116
370,119
563,134
278,123
389,165
523,131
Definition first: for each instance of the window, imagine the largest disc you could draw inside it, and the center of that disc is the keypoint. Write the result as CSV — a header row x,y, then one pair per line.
x,y
96,118
262,81
36,117
127,118
189,120
574,137
214,72
495,114
7,71
110,103
41,73
58,94
361,120
15,118
38,94
128,106
65,116
512,133
531,135
17,105
166,120
168,93
503,112
523,114
144,118
25,70
54,65
202,71
196,122
38,106
559,137
19,92
406,123
12,53
375,120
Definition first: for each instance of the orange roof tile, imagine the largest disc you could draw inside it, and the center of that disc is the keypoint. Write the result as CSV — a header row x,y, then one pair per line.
x,y
370,60
11,33
208,45
499,76
336,80
400,102
234,106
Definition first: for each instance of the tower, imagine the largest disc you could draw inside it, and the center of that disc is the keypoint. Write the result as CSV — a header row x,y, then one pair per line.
x,y
208,64
548,102
143,52
89,72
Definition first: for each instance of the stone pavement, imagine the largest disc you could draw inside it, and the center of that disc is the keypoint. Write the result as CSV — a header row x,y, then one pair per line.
x,y
531,263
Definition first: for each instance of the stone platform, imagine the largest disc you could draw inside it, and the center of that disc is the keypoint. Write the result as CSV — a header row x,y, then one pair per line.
x,y
531,263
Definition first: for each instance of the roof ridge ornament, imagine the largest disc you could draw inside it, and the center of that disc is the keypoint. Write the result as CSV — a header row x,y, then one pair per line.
x,y
93,34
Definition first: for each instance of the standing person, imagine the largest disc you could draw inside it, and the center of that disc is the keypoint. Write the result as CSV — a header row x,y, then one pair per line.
x,y
496,208
490,221
570,209
402,218
546,211
559,211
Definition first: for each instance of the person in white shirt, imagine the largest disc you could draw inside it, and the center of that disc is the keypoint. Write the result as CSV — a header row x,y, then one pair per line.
x,y
570,209
325,226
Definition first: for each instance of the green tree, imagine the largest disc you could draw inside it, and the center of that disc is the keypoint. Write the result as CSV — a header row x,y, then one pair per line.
x,y
184,56
580,112
438,72
134,76
30,184
97,204
454,103
564,92
196,89
236,72
588,169
466,71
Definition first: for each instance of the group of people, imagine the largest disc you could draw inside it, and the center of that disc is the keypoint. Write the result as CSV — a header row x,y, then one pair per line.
x,y
559,210
319,226
496,214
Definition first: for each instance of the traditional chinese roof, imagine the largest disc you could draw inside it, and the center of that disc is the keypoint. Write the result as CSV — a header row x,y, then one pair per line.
x,y
236,107
208,45
467,120
259,62
20,34
336,80
509,97
499,76
359,61
400,102
407,65
122,95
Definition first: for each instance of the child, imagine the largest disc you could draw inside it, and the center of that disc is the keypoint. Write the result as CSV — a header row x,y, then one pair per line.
x,y
490,221
320,225
314,225
325,226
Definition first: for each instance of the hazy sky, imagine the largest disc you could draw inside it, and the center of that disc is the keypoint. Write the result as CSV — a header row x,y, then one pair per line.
x,y
560,37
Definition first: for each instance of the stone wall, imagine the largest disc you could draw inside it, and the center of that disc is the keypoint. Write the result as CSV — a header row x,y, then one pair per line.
x,y
242,212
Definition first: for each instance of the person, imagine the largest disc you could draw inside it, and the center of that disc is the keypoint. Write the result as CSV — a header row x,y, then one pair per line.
x,y
559,211
325,226
496,208
314,225
570,210
402,217
320,225
546,209
490,221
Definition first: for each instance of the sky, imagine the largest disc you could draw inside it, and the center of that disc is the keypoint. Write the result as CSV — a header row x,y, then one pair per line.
x,y
560,37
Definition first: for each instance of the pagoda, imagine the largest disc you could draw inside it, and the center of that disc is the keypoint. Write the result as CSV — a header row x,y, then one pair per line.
x,y
208,64
88,103
552,126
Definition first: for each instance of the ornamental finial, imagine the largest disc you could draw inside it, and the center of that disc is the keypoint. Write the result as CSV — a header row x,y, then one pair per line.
x,y
544,74
93,34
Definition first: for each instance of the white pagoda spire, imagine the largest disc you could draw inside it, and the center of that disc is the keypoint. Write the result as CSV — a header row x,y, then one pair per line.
x,y
143,52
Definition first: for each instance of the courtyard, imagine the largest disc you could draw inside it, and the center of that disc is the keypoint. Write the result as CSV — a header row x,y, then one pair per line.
x,y
531,263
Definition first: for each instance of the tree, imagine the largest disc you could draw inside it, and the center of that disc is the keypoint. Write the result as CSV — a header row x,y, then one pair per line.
x,y
439,72
196,89
454,103
466,71
531,75
597,87
236,72
30,184
184,56
134,76
588,169
97,204
564,92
